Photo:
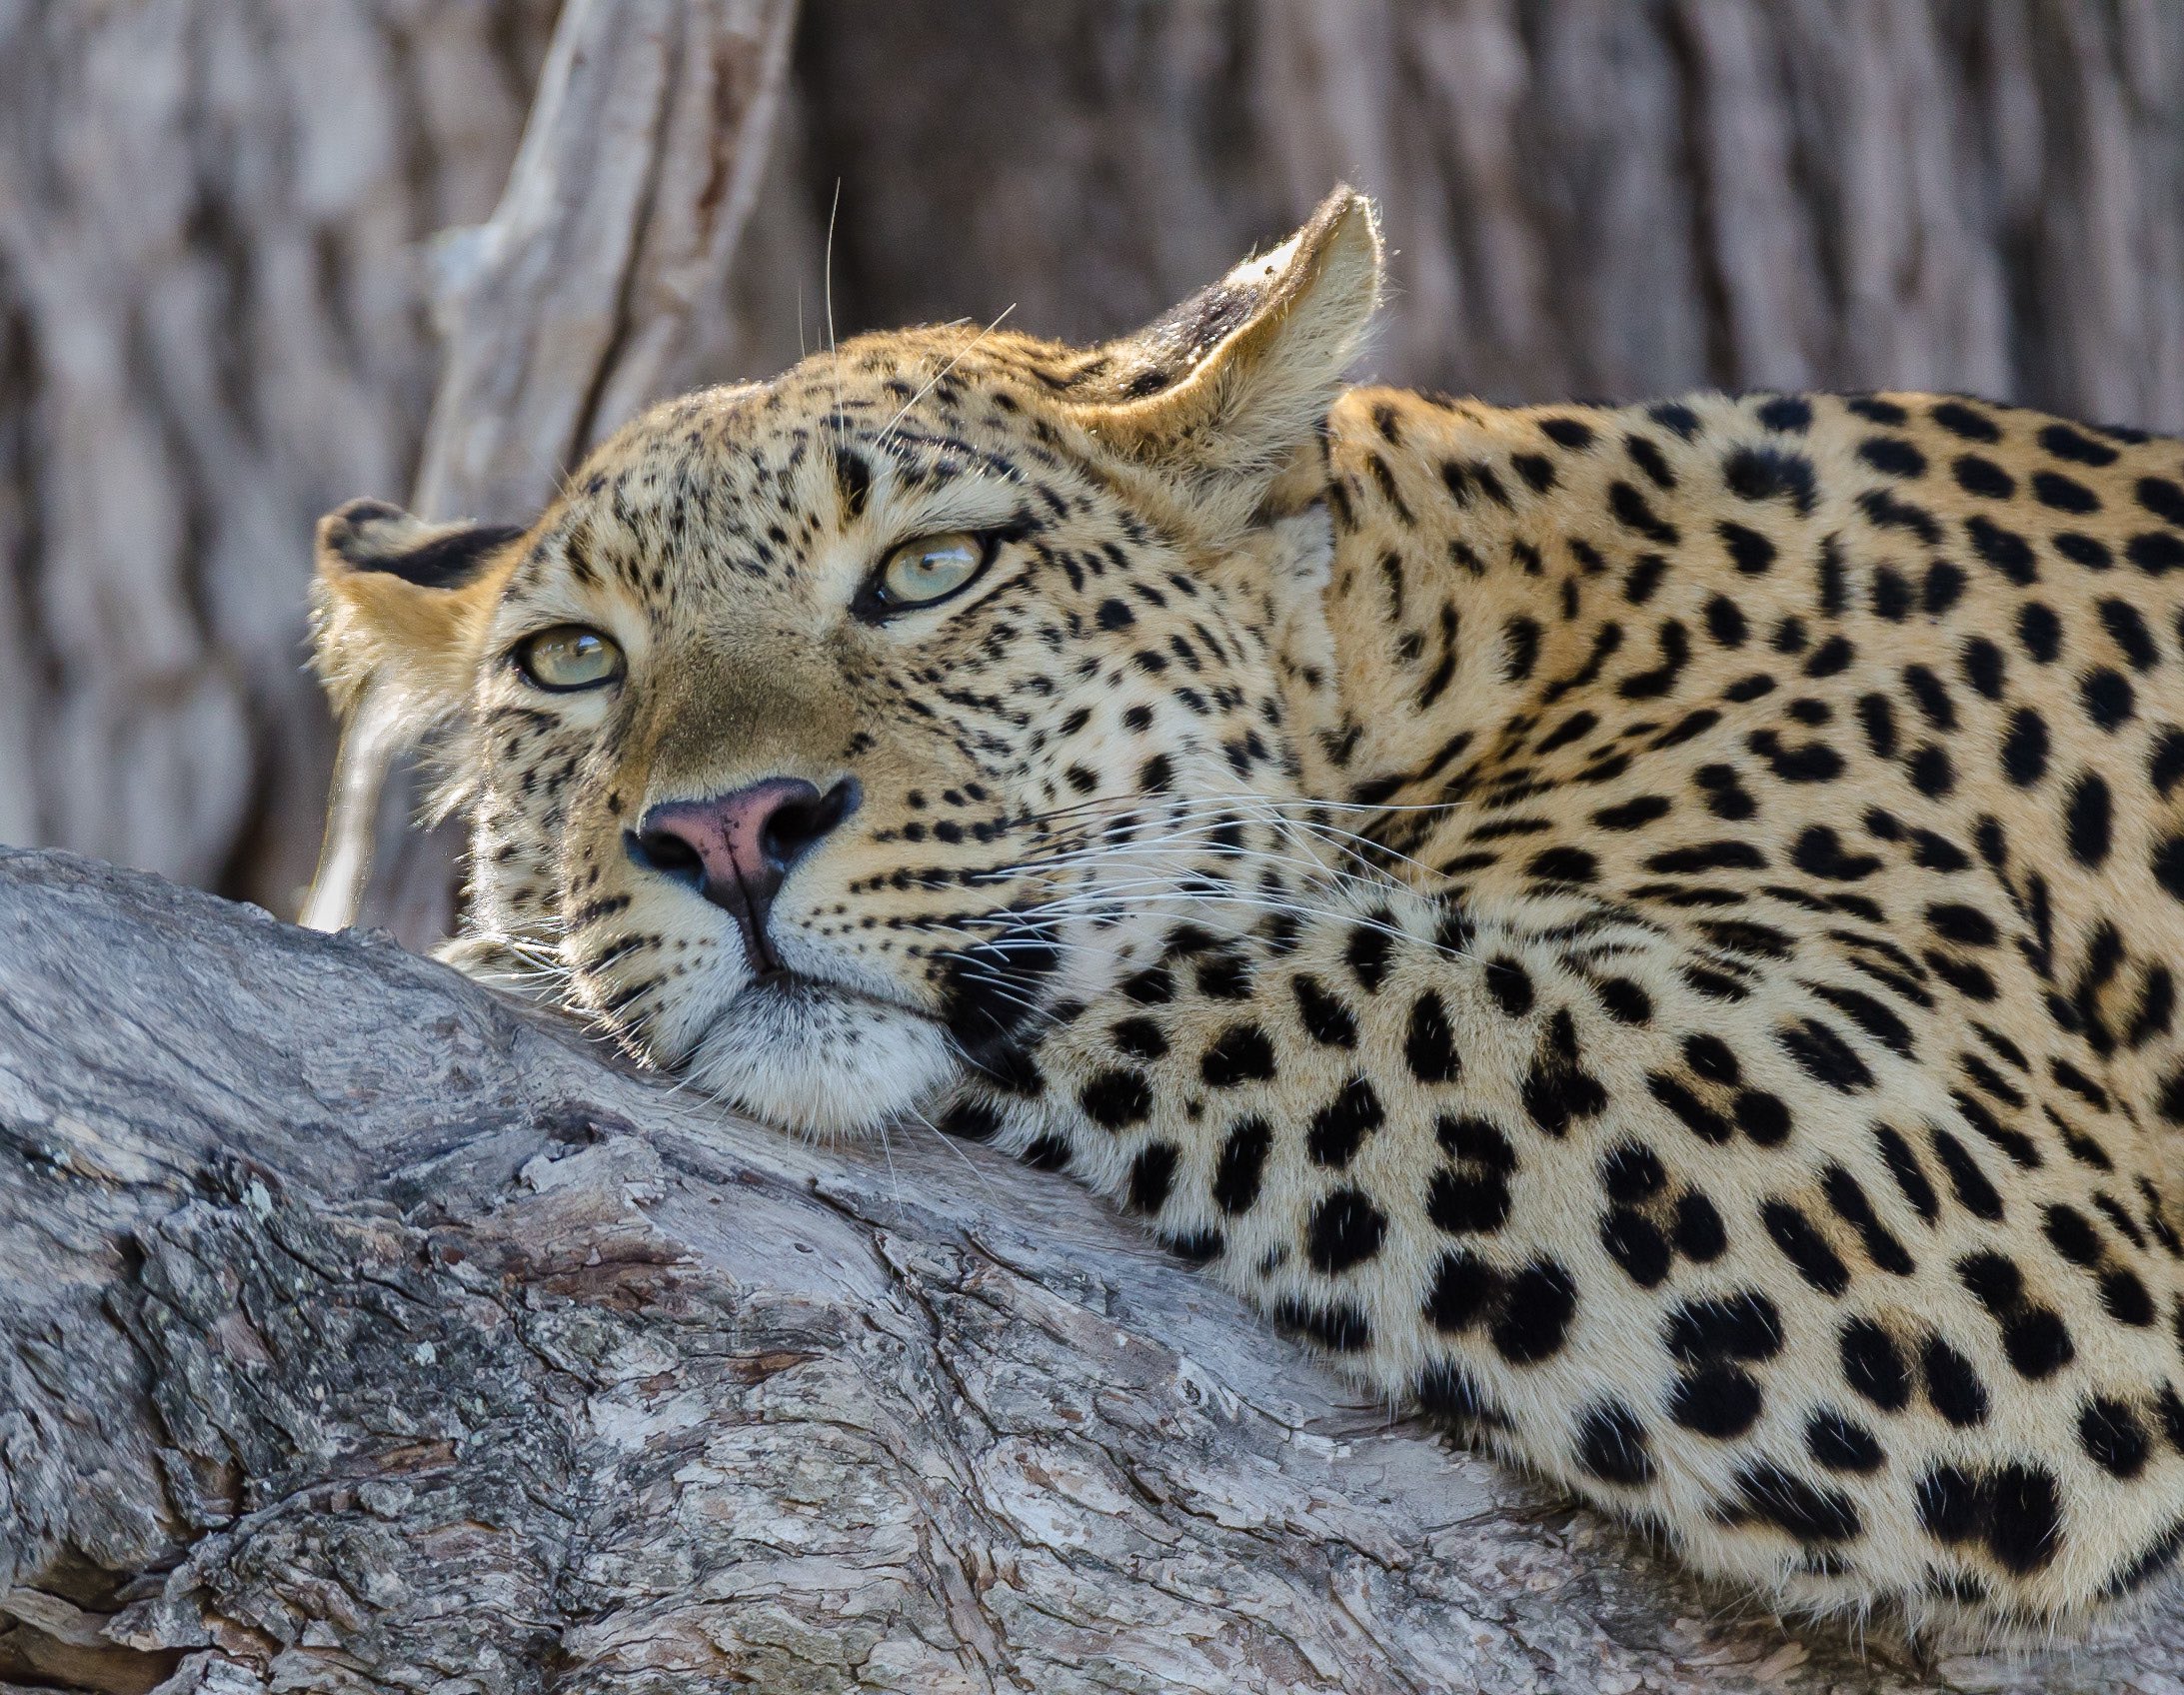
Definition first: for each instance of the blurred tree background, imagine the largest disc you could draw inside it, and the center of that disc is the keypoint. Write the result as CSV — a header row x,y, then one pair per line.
x,y
259,256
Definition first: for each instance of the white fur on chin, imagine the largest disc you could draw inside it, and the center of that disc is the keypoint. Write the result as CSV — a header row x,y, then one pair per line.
x,y
821,1061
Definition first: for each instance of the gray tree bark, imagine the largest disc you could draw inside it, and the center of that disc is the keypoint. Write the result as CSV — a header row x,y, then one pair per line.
x,y
360,1333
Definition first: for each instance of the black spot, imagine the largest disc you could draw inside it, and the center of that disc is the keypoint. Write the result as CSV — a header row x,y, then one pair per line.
x,y
1241,1054
1807,1512
1693,1114
1961,419
1725,621
1521,649
1195,1246
2088,550
1969,1184
1241,1165
1805,762
1465,1287
1611,1444
2163,498
1790,414
1675,416
1983,666
1841,1443
1978,475
1744,1325
1872,1366
2108,697
2165,764
1825,1057
1636,1244
1769,472
1140,1038
1628,1003
1115,615
1367,952
1224,975
2065,442
1116,1099
1462,1202
1445,1390
1710,1057
1872,1016
1326,1020
1751,552
2168,866
969,1120
2113,1438
1046,1153
2155,551
2128,631
2064,494
1952,1386
1633,511
1558,1090
1931,770
2025,748
1339,1128
2023,1520
1536,1306
2037,1343
1878,718
1722,1401
1429,1046
1338,1326
1699,1233
2005,550
1804,1248
1153,987
1563,864
1346,1231
2088,817
1762,1116
2041,631
1818,850
1893,456
1151,1174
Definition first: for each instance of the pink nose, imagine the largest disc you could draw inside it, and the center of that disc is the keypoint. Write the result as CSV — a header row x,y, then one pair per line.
x,y
736,848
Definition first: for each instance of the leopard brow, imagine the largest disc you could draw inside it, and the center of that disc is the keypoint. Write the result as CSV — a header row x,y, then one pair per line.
x,y
964,503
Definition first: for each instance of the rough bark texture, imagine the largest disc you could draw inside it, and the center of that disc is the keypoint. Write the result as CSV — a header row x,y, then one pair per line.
x,y
360,1334
216,271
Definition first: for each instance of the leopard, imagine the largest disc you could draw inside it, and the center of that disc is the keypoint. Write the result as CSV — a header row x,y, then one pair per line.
x,y
1646,933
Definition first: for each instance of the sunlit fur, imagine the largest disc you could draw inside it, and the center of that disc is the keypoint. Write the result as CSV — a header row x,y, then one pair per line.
x,y
1647,931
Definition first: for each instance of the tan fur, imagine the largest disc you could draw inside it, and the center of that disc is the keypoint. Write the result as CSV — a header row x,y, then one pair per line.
x,y
1651,930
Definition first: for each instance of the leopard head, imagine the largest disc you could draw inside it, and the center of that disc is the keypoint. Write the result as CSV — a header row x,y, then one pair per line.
x,y
827,734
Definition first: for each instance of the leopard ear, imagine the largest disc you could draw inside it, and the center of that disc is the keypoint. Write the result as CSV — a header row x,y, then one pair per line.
x,y
398,607
1220,390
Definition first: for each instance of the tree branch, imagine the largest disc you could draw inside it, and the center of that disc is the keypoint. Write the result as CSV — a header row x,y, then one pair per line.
x,y
363,1333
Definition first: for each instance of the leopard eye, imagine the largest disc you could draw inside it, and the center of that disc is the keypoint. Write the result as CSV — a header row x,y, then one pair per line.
x,y
929,569
566,657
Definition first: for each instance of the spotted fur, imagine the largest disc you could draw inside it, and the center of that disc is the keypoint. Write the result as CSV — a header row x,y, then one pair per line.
x,y
1651,931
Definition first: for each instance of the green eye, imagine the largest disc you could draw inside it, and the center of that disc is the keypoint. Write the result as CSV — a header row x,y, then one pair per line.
x,y
568,657
930,568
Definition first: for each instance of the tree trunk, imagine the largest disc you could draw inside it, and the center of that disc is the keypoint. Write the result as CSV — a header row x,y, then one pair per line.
x,y
217,267
360,1333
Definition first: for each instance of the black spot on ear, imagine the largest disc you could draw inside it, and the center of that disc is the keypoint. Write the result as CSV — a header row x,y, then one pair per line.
x,y
445,561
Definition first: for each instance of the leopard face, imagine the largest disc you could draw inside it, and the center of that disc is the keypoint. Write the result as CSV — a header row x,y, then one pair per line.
x,y
945,646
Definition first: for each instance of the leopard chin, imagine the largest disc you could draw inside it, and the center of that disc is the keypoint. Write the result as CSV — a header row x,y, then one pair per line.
x,y
825,1061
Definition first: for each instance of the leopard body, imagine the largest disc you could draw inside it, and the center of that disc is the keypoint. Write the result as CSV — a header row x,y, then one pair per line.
x,y
1649,931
